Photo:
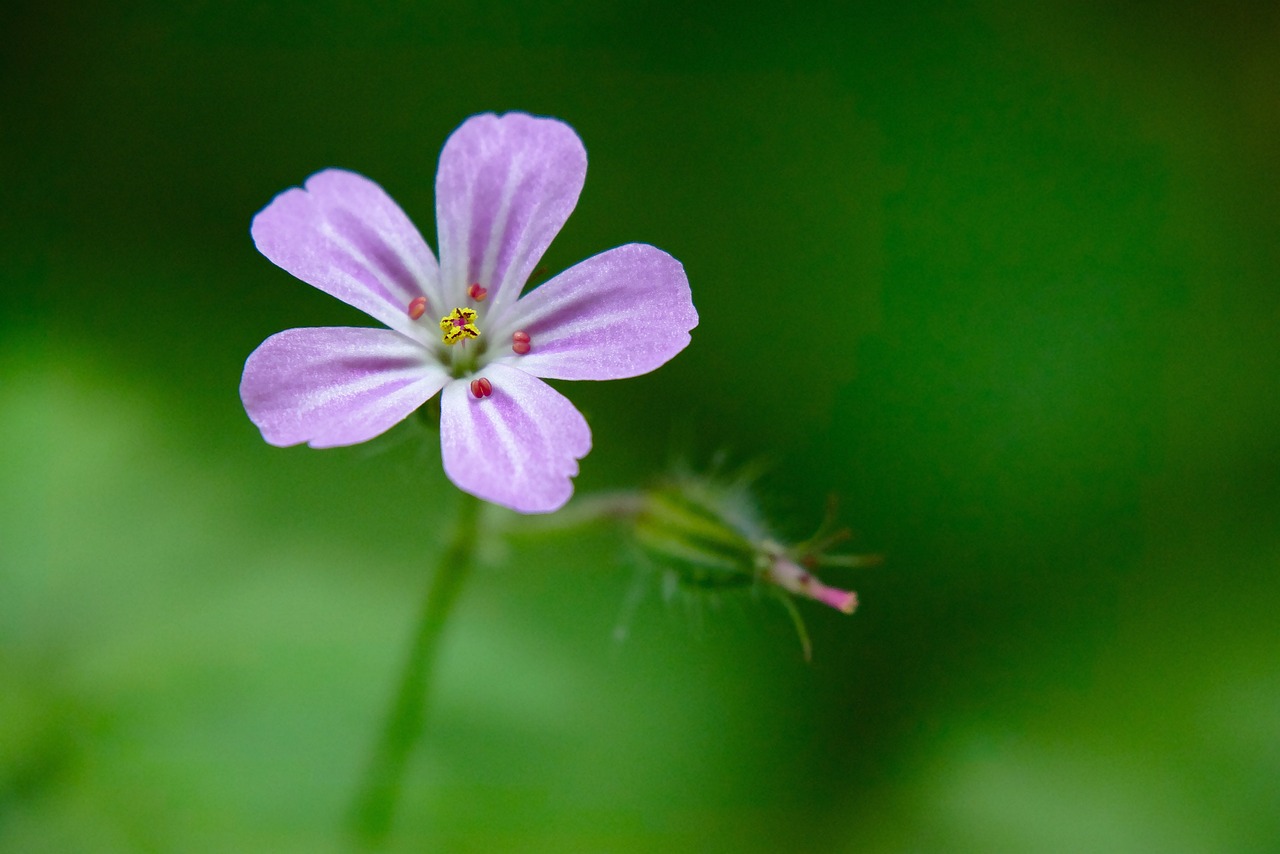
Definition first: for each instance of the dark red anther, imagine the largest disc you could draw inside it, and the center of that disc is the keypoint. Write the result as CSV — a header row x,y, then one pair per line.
x,y
417,307
520,343
477,293
481,387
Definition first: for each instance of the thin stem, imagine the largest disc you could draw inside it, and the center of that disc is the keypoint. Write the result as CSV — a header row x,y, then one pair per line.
x,y
375,804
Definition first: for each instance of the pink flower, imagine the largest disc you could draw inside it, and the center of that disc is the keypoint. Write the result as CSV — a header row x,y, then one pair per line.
x,y
504,187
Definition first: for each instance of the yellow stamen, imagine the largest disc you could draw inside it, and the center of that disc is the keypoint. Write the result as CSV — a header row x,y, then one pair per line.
x,y
459,325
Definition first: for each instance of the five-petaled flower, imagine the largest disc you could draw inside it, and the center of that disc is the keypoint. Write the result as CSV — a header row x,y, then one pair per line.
x,y
505,186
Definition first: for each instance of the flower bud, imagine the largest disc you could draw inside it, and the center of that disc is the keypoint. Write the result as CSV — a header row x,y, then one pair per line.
x,y
711,533
708,534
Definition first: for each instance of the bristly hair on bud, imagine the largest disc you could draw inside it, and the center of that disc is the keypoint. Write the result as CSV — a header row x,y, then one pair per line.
x,y
709,537
710,533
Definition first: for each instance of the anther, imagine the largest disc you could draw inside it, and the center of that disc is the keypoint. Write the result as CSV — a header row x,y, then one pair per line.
x,y
481,387
520,343
477,293
417,307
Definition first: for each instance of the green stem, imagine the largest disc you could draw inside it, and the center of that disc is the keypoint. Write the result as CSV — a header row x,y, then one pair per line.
x,y
375,803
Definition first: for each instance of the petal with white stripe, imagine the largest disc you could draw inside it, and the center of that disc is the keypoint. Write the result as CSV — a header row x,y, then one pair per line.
x,y
336,385
618,314
518,447
505,186
343,234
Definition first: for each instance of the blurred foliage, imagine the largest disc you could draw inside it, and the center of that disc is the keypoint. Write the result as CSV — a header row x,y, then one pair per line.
x,y
1001,276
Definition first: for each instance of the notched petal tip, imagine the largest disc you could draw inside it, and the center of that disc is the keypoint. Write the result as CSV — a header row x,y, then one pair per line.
x,y
266,222
516,121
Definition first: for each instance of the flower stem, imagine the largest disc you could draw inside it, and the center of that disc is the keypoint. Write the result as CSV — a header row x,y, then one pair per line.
x,y
375,804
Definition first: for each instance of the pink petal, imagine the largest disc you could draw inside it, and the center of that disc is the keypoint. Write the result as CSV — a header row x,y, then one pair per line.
x,y
336,386
618,314
519,447
505,186
344,235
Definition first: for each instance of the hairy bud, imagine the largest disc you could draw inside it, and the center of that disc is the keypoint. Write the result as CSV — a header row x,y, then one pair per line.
x,y
710,532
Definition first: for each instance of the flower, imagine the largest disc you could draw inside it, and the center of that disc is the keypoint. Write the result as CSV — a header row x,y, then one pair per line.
x,y
504,187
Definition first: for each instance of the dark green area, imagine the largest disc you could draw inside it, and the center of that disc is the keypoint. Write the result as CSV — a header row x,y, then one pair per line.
x,y
1004,277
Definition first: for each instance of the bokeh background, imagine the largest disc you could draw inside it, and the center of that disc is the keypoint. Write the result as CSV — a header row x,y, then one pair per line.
x,y
1001,276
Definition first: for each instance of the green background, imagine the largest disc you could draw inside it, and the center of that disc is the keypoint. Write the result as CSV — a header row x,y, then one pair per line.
x,y
1001,276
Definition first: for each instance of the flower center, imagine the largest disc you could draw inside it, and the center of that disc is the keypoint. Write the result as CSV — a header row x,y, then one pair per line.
x,y
459,325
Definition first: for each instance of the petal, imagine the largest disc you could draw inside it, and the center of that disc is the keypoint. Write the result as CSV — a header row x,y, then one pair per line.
x,y
519,447
618,314
336,386
505,186
344,235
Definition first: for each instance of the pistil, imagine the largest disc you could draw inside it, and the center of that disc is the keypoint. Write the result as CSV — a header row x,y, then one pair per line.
x,y
459,325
